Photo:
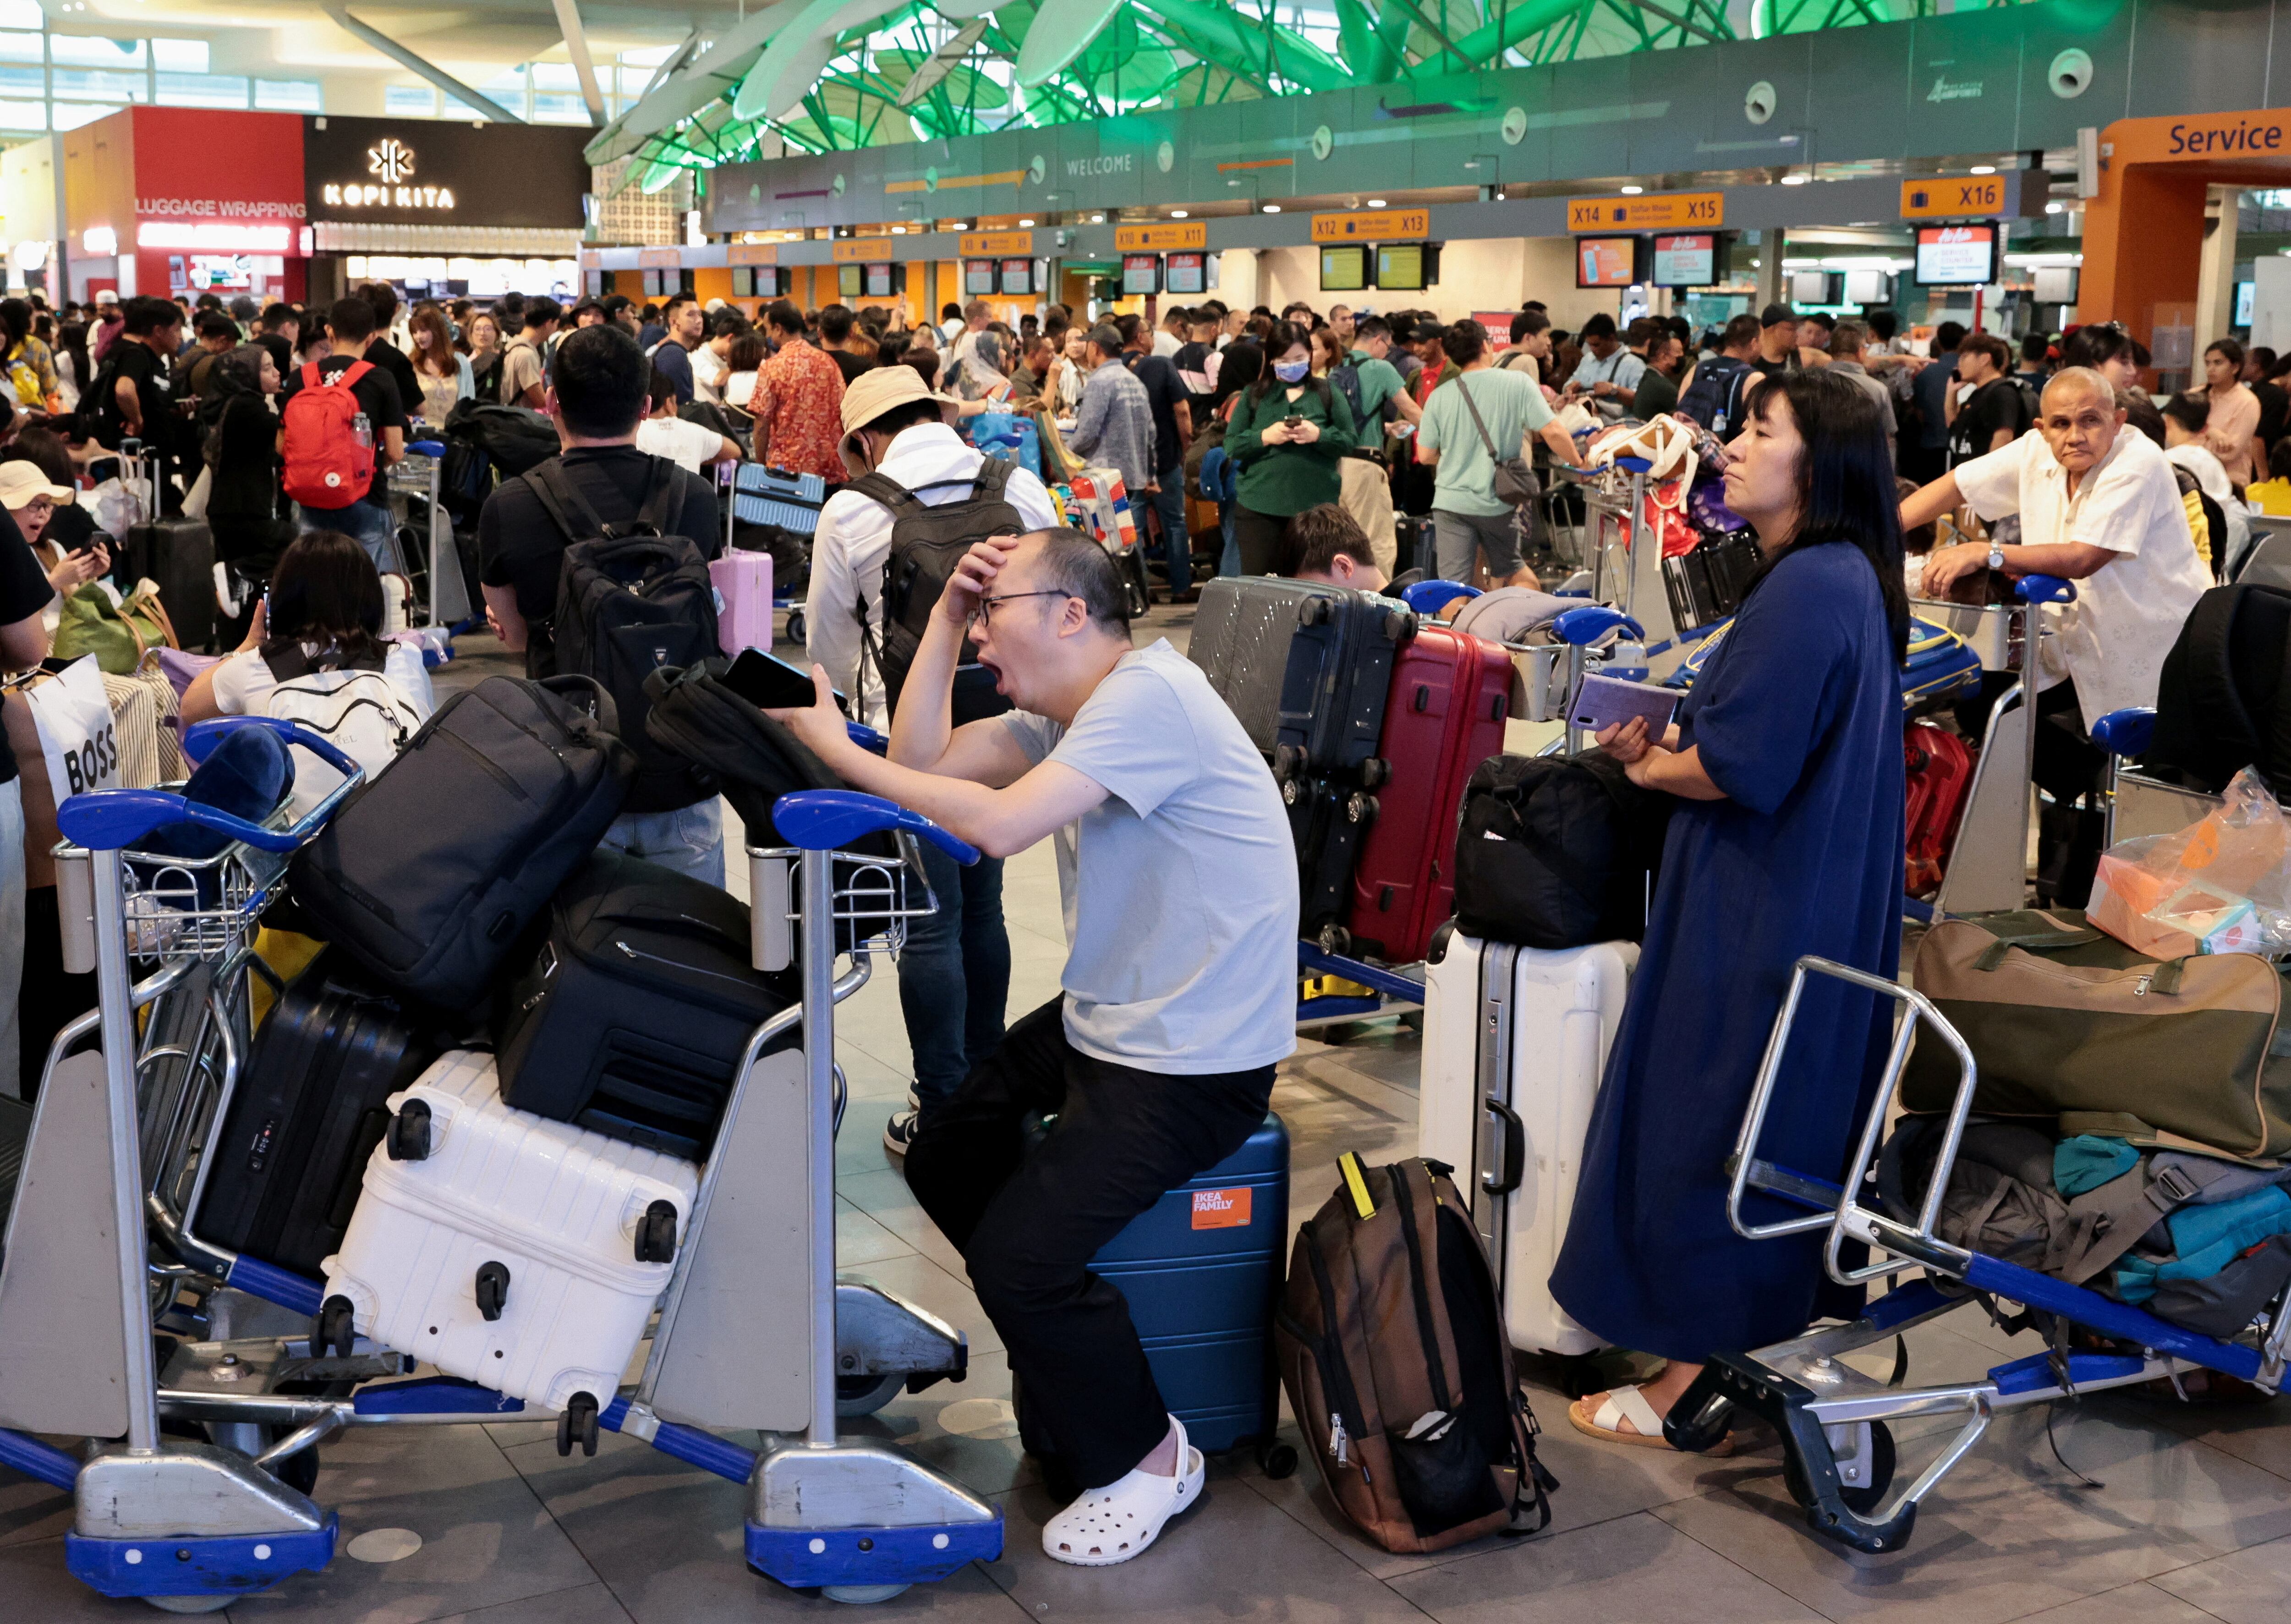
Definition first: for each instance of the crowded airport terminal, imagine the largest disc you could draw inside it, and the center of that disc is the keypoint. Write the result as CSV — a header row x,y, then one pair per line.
x,y
1116,812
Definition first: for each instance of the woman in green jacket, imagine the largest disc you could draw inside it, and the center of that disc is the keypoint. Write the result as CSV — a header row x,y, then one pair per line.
x,y
1289,432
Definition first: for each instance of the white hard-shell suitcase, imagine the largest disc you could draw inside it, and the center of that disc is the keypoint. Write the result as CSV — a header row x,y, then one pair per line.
x,y
1516,1042
519,1252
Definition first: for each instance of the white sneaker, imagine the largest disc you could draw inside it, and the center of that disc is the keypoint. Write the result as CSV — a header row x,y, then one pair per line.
x,y
1114,1523
899,1132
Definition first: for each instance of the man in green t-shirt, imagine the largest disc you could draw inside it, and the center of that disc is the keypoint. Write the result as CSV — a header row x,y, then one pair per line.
x,y
1476,417
1367,494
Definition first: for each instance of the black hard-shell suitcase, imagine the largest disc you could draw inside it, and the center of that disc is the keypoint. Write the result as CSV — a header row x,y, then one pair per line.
x,y
630,1016
1327,822
1306,667
306,1115
178,553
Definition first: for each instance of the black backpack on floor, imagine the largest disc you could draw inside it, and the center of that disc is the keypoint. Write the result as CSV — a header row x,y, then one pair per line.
x,y
2222,697
632,599
429,872
927,542
1557,852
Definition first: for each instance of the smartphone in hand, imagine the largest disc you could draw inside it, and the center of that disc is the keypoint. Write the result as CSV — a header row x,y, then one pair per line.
x,y
770,683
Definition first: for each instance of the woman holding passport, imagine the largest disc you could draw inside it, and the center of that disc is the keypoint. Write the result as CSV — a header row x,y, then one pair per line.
x,y
1786,762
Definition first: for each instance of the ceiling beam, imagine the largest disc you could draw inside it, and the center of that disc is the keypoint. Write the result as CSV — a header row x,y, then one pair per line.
x,y
373,37
576,46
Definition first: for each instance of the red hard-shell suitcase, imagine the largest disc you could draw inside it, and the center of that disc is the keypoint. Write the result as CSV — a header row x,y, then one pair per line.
x,y
1940,771
1444,715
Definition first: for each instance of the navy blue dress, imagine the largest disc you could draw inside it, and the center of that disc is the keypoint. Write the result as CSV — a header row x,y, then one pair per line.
x,y
1798,716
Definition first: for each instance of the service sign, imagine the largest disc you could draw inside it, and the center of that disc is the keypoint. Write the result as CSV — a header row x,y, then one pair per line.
x,y
1953,197
439,171
994,243
859,250
752,253
1373,225
659,258
1177,234
1664,211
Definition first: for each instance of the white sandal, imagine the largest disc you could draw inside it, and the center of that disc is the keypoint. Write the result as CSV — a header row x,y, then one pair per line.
x,y
1629,1404
1114,1523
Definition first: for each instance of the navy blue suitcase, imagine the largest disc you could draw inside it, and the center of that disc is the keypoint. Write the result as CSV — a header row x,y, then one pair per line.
x,y
1202,1270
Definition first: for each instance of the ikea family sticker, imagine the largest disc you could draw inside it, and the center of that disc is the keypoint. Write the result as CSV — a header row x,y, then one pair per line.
x,y
1221,1208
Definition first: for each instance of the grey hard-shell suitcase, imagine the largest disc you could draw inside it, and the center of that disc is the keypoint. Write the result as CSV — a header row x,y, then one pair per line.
x,y
1305,668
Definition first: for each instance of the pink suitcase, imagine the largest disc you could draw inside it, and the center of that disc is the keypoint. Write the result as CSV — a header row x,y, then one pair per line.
x,y
743,591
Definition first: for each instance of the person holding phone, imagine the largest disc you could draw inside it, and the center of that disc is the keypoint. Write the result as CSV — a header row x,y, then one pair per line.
x,y
1786,837
1289,432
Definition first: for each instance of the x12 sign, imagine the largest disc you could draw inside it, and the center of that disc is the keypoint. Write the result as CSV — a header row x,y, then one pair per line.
x,y
1953,196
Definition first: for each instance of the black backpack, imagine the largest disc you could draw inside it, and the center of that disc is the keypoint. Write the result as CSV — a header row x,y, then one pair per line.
x,y
1557,852
927,542
632,600
1346,378
2223,695
429,872
515,439
1715,398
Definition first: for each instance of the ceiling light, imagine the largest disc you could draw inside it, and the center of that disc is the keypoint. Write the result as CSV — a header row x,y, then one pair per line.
x,y
1794,179
1097,220
1176,214
1025,225
1376,203
898,230
1273,208
1985,169
1633,192
2055,208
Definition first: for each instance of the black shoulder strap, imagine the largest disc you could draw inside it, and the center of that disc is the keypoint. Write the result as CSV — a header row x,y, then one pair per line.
x,y
663,508
992,478
568,507
880,487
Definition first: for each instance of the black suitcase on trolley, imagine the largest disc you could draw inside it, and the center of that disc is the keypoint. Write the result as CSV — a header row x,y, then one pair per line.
x,y
307,1115
1327,822
631,1016
1305,667
177,553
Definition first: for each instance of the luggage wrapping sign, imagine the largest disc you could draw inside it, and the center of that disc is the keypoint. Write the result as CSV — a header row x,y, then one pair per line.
x,y
77,736
1221,1208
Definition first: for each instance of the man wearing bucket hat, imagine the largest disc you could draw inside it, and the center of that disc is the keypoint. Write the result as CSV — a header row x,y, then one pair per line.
x,y
954,975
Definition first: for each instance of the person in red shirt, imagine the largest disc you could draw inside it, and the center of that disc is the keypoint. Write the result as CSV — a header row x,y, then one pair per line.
x,y
799,400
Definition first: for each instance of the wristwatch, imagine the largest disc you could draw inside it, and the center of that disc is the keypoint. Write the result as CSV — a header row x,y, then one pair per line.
x,y
1995,556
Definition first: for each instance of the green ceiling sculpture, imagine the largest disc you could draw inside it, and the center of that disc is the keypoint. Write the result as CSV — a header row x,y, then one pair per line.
x,y
836,75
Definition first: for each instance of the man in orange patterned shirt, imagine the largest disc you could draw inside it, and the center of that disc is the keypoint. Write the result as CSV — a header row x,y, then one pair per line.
x,y
800,388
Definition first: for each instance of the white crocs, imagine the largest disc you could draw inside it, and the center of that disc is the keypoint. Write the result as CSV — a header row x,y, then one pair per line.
x,y
1114,1523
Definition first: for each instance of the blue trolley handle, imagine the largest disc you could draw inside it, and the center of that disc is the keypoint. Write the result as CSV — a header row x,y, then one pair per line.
x,y
1593,622
826,820
427,448
200,738
110,820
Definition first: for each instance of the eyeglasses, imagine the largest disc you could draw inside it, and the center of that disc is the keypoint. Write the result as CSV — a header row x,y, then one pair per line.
x,y
984,613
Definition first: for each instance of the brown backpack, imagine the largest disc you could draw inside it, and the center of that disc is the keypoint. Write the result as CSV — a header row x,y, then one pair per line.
x,y
1391,1345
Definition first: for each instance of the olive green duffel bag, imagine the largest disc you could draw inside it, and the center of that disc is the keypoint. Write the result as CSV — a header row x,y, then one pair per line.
x,y
2072,1025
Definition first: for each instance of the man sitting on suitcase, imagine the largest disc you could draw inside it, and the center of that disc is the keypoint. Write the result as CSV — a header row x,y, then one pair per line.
x,y
1180,985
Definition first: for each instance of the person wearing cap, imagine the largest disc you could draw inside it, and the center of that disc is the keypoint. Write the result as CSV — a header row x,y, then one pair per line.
x,y
110,322
954,973
1113,425
797,399
596,397
31,500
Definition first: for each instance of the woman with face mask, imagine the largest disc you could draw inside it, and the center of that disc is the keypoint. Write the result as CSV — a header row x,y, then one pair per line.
x,y
1288,432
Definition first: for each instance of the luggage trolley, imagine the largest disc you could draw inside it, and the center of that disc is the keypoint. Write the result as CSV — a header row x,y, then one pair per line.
x,y
445,589
1840,1458
1628,575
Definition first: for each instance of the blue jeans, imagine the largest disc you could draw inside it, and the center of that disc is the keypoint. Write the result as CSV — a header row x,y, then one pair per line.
x,y
690,840
374,528
1178,546
954,975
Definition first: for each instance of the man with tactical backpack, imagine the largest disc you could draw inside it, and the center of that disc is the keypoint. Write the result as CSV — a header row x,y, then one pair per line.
x,y
596,563
886,546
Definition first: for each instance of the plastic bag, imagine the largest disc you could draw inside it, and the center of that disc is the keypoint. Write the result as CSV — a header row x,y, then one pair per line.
x,y
2221,885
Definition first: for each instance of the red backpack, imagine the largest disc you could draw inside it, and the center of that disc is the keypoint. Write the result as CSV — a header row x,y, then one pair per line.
x,y
326,465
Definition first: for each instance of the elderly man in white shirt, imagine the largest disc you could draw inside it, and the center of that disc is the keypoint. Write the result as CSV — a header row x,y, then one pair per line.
x,y
2098,506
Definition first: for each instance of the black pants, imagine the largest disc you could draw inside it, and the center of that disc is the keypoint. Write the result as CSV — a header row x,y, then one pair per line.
x,y
1263,540
1028,1222
2068,768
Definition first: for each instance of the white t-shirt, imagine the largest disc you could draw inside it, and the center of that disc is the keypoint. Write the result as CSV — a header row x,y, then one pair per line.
x,y
686,445
243,682
708,370
2113,638
1184,955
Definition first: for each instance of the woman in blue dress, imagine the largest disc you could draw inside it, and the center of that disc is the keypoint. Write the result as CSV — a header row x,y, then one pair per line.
x,y
1786,760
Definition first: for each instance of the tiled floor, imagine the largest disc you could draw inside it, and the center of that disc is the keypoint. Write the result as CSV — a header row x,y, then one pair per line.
x,y
2162,1516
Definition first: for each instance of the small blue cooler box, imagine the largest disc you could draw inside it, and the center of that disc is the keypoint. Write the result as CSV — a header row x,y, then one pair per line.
x,y
1202,1270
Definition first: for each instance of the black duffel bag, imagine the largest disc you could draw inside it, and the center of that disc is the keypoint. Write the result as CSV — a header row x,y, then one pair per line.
x,y
1557,852
429,874
515,439
630,1018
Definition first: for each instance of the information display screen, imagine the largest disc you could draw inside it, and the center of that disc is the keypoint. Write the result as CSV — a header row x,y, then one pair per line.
x,y
881,278
1185,273
1686,262
1606,261
1957,256
849,283
977,278
1019,276
744,281
1344,271
1400,265
1141,274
